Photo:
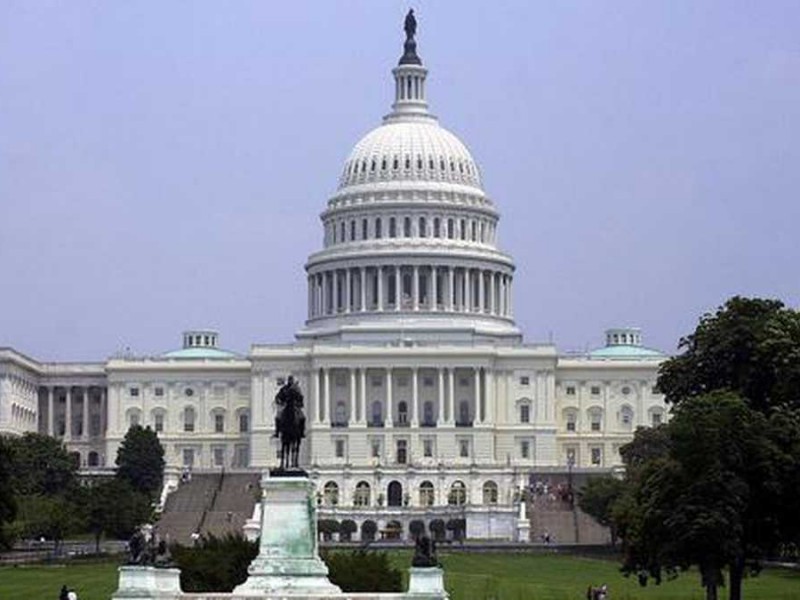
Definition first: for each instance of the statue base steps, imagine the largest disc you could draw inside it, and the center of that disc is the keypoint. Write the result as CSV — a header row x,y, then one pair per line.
x,y
148,583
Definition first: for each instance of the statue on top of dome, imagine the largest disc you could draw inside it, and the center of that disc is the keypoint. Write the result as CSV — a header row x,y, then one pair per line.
x,y
410,25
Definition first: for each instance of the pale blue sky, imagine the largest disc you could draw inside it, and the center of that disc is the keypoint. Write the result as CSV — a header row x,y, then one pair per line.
x,y
163,164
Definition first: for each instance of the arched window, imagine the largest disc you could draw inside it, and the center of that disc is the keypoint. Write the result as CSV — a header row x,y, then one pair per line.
x,y
595,415
571,419
377,413
490,492
458,494
426,494
474,231
463,229
436,228
402,412
407,227
244,421
362,494
422,227
450,229
218,420
395,494
656,417
330,494
188,419
93,460
341,232
626,417
524,412
392,227
134,417
364,230
378,232
352,230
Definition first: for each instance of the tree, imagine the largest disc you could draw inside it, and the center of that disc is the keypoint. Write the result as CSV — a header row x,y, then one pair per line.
x,y
368,530
8,505
39,465
215,564
114,508
438,529
363,571
140,460
416,528
52,517
597,499
327,527
750,346
347,529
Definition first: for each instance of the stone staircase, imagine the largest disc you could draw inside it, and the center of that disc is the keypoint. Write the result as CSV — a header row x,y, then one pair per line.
x,y
563,523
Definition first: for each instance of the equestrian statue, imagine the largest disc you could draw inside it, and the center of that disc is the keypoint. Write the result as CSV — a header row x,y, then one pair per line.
x,y
290,423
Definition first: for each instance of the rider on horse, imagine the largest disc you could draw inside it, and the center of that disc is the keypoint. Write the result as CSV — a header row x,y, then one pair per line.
x,y
289,396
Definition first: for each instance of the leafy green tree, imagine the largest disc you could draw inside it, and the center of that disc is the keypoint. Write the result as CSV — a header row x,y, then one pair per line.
x,y
327,527
214,564
346,530
140,460
52,517
597,499
114,508
40,465
363,571
750,346
8,504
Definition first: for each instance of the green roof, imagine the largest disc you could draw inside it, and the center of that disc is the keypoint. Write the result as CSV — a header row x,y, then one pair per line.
x,y
626,352
189,353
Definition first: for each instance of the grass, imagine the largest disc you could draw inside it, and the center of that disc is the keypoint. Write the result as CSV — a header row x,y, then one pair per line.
x,y
468,576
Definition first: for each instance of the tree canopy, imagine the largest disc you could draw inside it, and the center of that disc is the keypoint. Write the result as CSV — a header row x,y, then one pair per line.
x,y
40,464
140,460
8,504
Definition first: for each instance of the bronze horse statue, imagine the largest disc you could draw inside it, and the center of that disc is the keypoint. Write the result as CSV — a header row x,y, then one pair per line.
x,y
290,423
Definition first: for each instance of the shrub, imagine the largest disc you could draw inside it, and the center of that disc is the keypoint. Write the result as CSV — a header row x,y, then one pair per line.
x,y
347,529
437,528
458,527
327,527
363,571
214,564
416,528
368,530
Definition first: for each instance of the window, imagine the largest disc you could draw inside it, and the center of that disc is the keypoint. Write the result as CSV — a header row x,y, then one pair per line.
x,y
450,228
626,390
402,452
427,448
244,422
219,457
524,380
375,448
158,391
158,422
330,494
572,455
655,418
626,417
570,390
437,231
525,413
426,494
134,419
463,381
402,413
595,420
219,423
525,449
392,227
458,494
352,231
571,421
597,456
364,230
188,457
490,492
189,392
362,494
427,381
427,414
188,419
377,413
407,227
463,448
422,229
378,232
595,390
339,448
134,391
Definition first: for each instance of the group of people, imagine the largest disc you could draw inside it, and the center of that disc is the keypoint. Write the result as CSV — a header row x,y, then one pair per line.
x,y
67,594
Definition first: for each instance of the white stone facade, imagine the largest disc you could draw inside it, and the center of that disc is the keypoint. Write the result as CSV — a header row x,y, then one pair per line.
x,y
421,397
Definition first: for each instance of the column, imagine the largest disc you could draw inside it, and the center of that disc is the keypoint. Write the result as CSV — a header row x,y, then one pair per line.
x,y
440,399
379,275
434,289
68,416
451,395
398,294
388,397
510,297
363,289
415,288
310,298
352,418
348,291
450,288
50,415
362,390
103,410
414,397
85,423
317,397
326,379
478,411
481,292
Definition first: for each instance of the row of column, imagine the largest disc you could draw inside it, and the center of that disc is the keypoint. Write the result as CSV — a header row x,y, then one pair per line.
x,y
397,288
481,397
80,392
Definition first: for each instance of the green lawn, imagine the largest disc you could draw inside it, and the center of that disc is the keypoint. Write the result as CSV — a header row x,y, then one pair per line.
x,y
468,576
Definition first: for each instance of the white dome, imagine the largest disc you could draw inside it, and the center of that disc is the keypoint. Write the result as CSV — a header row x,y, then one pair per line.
x,y
414,149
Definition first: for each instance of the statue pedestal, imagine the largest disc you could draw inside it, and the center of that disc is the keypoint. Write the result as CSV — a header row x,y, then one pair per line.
x,y
288,561
428,582
148,583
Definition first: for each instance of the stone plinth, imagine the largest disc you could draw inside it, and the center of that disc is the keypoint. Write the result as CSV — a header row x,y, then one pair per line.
x,y
288,561
426,582
148,583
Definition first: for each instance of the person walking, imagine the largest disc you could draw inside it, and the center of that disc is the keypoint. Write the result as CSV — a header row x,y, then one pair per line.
x,y
64,595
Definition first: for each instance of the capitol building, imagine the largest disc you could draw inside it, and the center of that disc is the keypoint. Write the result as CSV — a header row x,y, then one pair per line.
x,y
421,395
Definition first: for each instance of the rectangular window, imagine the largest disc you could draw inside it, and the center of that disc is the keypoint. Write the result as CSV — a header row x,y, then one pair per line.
x,y
595,390
427,448
219,457
656,419
134,392
188,457
244,423
402,452
427,381
339,447
525,449
158,423
524,380
463,382
570,390
595,425
525,413
219,423
597,456
463,448
570,425
377,382
375,449
572,456
158,391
